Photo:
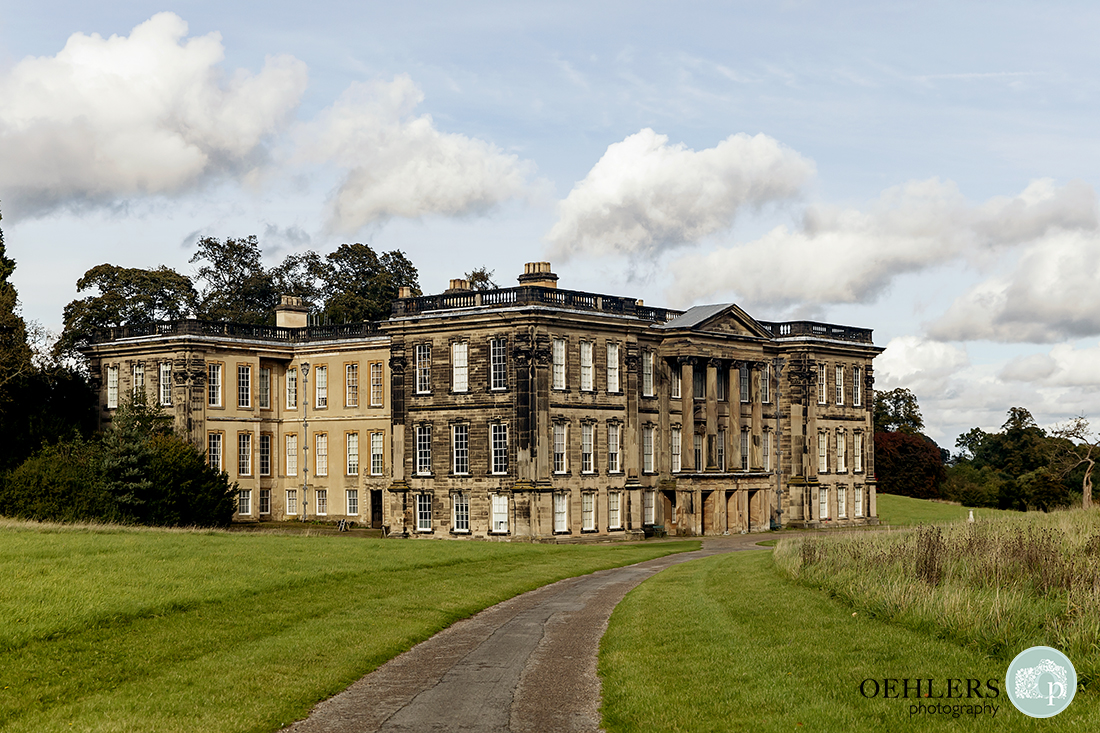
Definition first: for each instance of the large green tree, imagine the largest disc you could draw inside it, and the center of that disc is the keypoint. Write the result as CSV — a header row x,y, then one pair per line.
x,y
235,285
897,411
360,285
907,462
15,354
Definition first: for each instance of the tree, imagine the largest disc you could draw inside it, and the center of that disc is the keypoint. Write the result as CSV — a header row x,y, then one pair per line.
x,y
358,285
908,464
127,297
15,354
1079,446
300,275
897,411
481,279
970,443
235,285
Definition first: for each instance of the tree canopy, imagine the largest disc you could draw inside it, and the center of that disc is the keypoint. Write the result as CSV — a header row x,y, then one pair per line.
x,y
897,411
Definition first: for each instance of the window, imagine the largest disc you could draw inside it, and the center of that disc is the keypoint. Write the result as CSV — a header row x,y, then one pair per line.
x,y
823,503
351,496
244,385
244,501
165,383
460,371
265,455
244,454
321,440
423,368
460,449
766,384
112,387
859,501
322,501
839,385
499,445
214,450
265,501
351,385
377,458
822,452
614,519
857,453
588,511
376,384
647,374
613,449
649,515
320,377
857,387
647,449
292,455
841,502
214,385
291,389
744,374
559,448
586,366
612,367
720,384
559,364
697,445
841,457
676,446
744,449
821,386
460,504
561,514
498,364
500,513
699,382
675,384
139,379
292,501
423,450
263,397
587,429
423,512
353,454
720,447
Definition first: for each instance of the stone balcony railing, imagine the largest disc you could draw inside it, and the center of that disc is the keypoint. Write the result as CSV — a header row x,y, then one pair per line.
x,y
532,295
812,329
195,327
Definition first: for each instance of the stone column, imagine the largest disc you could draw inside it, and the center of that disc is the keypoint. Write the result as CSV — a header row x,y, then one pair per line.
x,y
755,371
688,365
710,452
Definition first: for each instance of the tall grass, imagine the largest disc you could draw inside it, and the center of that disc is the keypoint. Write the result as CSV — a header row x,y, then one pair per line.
x,y
997,585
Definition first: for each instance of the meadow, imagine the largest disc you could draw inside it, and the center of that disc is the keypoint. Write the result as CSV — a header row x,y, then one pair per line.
x,y
118,629
905,511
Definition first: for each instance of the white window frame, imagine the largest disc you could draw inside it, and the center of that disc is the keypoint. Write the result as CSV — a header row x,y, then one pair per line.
x,y
498,364
112,387
423,368
320,386
614,464
351,443
265,501
138,379
351,501
647,373
823,502
423,450
292,501
561,511
614,510
244,386
423,512
698,383
499,513
588,511
460,366
460,512
648,440
377,454
822,451
320,454
857,387
840,384
244,502
214,385
291,442
588,464
265,454
842,501
215,450
766,384
822,385
697,450
561,447
745,383
744,449
460,449
244,454
720,448
498,448
586,366
351,384
291,389
320,497
841,452
613,368
165,384
675,441
263,389
676,386
858,501
857,453
649,506
558,367
377,384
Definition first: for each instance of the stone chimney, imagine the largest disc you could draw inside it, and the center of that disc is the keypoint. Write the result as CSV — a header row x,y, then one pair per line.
x,y
538,274
404,291
459,286
291,313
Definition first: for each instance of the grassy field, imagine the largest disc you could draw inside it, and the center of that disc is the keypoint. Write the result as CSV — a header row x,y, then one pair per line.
x,y
899,511
140,630
728,644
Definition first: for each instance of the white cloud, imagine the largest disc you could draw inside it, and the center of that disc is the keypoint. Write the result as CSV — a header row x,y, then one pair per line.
x,y
1065,366
401,165
1051,294
151,113
850,256
645,196
918,364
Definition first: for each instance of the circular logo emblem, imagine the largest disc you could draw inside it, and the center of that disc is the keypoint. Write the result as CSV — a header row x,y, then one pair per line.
x,y
1041,682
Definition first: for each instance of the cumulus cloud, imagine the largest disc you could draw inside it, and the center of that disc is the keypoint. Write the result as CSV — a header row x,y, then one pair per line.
x,y
399,164
148,113
1064,366
918,364
849,256
645,196
1050,295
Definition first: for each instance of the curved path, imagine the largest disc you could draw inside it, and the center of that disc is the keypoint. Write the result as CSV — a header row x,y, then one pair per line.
x,y
527,664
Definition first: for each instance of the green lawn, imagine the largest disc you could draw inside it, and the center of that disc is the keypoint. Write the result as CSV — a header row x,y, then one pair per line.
x,y
906,511
726,644
139,630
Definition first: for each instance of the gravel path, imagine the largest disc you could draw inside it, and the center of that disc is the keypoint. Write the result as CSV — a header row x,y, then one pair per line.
x,y
525,665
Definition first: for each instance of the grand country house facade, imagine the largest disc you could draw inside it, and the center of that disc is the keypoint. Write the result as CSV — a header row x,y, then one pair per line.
x,y
529,412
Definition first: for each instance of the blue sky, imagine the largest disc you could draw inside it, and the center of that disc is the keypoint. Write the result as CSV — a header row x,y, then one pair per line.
x,y
928,170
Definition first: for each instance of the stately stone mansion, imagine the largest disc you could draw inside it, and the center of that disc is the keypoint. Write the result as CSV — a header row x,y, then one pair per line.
x,y
529,412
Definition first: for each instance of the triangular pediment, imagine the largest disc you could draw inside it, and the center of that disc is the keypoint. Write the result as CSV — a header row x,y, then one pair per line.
x,y
725,319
